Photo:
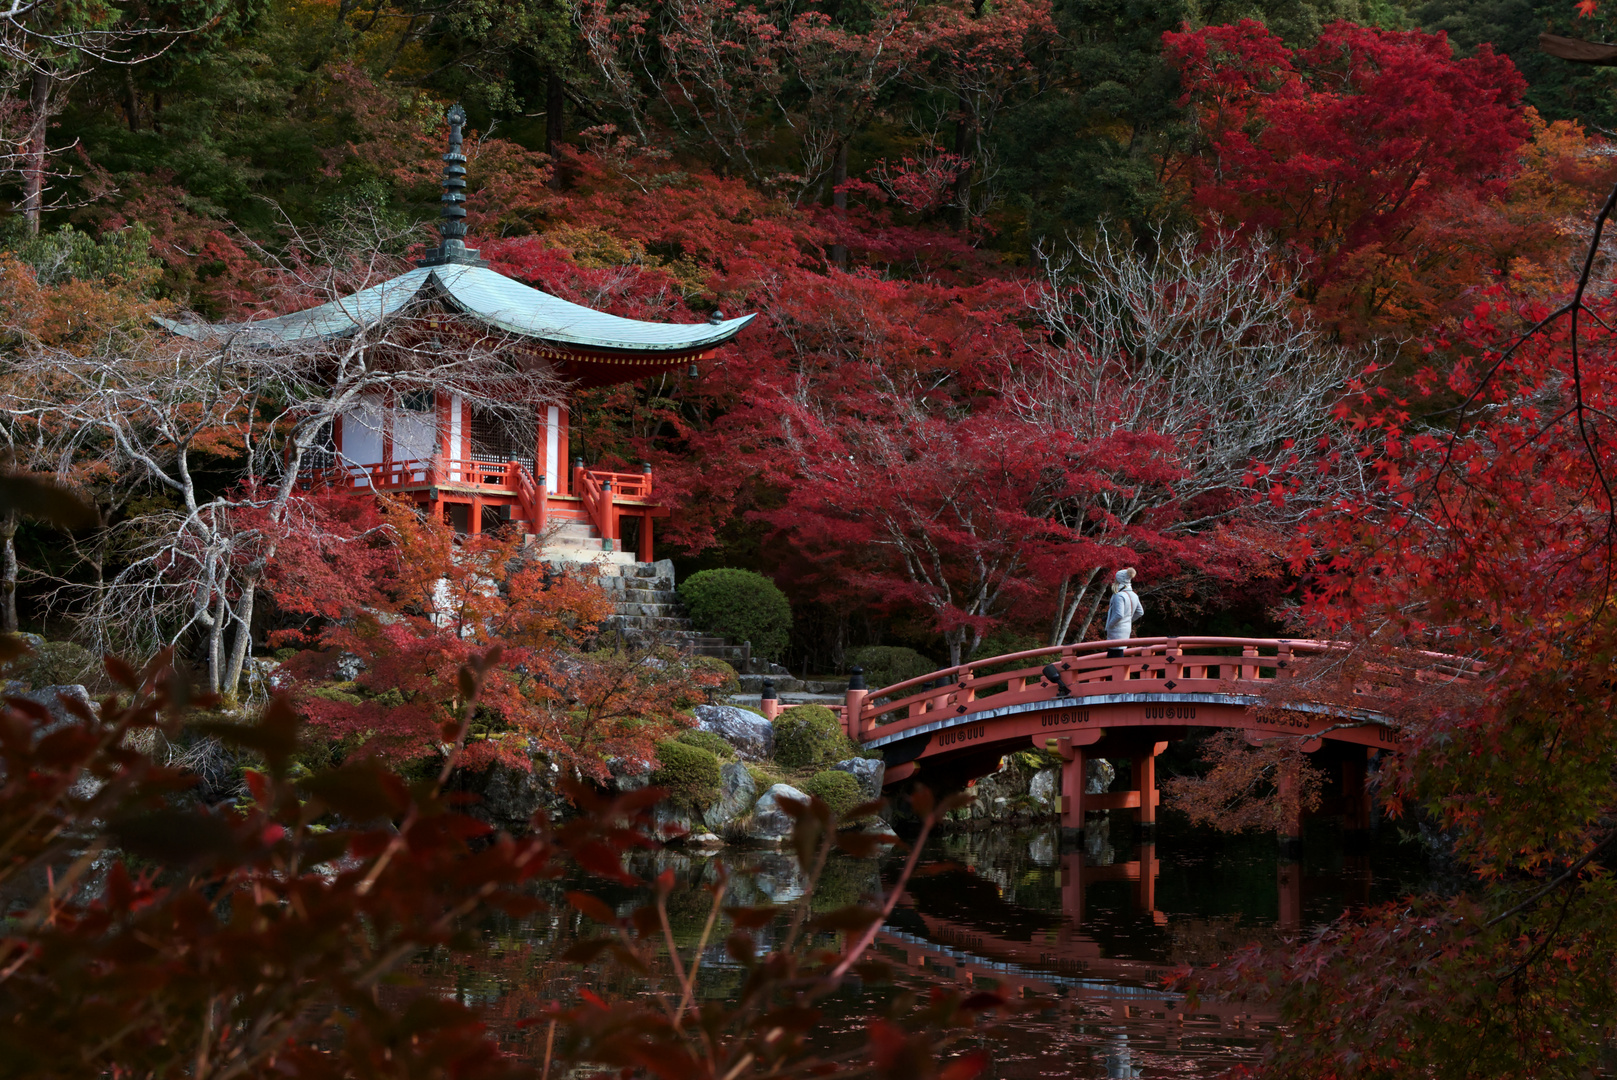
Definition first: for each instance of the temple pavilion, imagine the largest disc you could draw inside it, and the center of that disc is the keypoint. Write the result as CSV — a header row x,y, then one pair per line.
x,y
450,456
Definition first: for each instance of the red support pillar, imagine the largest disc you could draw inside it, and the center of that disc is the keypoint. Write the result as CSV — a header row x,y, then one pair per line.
x,y
1291,838
1354,787
1290,886
644,555
1072,786
1143,767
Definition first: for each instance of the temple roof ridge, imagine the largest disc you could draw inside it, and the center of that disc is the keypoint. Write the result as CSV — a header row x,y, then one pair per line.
x,y
456,276
486,295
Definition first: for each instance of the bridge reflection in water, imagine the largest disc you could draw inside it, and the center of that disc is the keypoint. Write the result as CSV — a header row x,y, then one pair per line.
x,y
1092,943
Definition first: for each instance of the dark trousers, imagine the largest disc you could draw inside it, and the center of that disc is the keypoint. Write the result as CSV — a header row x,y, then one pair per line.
x,y
1113,653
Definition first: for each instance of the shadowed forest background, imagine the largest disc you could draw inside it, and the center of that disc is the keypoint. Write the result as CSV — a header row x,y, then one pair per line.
x,y
900,189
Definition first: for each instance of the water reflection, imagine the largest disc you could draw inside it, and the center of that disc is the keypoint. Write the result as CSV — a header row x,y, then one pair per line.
x,y
1085,933
1097,928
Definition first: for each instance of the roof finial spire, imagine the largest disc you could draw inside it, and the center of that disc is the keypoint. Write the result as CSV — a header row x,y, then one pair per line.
x,y
453,247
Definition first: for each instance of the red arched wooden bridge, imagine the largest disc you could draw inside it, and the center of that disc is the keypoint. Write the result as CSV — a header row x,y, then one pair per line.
x,y
1080,701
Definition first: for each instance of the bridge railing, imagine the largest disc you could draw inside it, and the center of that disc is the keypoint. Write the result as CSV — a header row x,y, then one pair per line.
x,y
1146,665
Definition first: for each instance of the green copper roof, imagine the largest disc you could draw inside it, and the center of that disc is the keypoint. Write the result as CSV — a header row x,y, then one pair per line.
x,y
487,296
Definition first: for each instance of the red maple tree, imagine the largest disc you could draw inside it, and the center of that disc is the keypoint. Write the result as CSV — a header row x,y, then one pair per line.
x,y
434,601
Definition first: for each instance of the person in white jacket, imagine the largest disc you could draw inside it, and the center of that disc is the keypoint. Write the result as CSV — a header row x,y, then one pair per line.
x,y
1125,611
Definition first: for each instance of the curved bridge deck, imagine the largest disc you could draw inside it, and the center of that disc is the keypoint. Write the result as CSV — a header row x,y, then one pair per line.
x,y
1115,699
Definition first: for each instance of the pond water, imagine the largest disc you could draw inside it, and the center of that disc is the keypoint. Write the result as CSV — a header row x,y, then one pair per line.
x,y
1088,932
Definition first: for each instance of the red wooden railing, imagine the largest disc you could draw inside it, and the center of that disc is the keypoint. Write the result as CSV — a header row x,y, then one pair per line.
x,y
600,490
532,498
495,477
1162,664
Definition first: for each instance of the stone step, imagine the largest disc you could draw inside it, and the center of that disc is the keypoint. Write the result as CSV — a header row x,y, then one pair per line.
x,y
754,684
792,697
650,622
634,593
665,611
604,559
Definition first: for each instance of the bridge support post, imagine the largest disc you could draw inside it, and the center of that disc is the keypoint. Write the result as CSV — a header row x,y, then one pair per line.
x,y
1290,886
1291,839
1356,795
1143,767
1072,788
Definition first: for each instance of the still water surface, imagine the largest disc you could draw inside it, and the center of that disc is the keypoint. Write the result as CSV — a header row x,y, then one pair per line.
x,y
1091,929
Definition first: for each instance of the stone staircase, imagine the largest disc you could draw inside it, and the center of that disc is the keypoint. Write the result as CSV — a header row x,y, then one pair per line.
x,y
648,609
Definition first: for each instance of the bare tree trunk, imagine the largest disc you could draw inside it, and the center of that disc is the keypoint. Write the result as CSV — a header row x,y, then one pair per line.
x,y
1065,616
241,643
8,571
33,169
962,183
216,636
839,200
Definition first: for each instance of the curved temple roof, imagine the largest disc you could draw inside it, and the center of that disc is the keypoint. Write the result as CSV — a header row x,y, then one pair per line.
x,y
483,294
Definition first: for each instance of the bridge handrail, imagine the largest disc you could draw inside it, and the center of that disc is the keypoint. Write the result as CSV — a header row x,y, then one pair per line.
x,y
1089,657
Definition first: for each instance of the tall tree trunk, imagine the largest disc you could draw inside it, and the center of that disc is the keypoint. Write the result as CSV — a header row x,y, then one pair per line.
x,y
8,571
962,147
1066,614
131,101
216,641
33,167
555,124
242,641
839,200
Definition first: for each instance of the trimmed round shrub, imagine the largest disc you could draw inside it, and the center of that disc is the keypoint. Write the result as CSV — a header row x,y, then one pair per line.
x,y
810,735
706,740
888,664
838,789
690,774
739,605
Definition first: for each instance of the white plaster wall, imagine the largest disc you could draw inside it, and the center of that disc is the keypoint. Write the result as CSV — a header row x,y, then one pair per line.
x,y
362,428
455,410
415,437
552,447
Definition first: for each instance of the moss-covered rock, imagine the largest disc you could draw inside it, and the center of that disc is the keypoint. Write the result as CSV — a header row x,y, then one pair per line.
x,y
55,663
839,790
808,736
707,740
690,774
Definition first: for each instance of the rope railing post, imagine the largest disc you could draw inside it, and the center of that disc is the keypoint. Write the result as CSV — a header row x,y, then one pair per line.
x,y
854,704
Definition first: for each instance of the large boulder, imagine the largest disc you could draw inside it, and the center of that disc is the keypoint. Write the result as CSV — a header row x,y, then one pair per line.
x,y
751,735
511,795
58,702
737,792
1044,788
769,821
1098,776
869,772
